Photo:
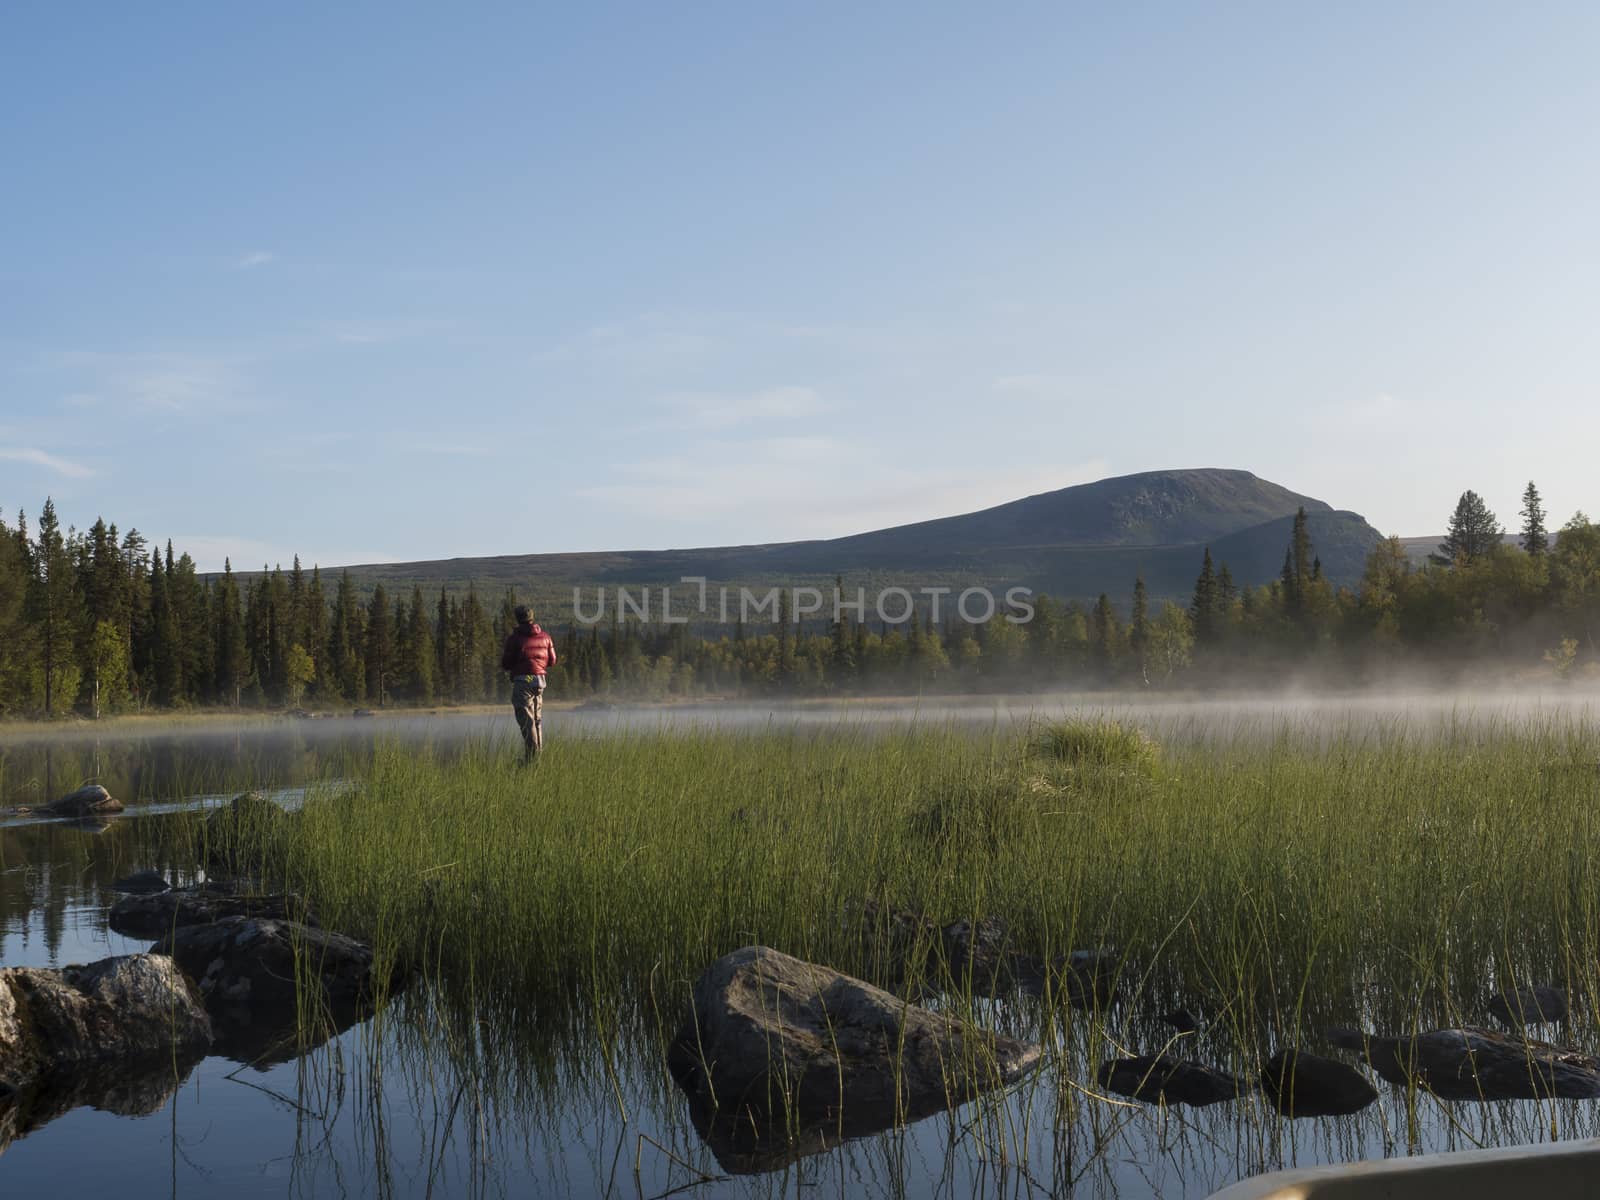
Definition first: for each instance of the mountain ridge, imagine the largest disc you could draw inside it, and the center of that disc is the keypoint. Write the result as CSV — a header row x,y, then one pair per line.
x,y
1072,543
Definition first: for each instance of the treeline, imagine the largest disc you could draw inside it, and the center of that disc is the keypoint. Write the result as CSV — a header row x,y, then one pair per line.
x,y
1531,605
98,622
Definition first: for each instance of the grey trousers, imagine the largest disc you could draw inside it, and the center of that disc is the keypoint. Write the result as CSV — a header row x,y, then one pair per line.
x,y
527,701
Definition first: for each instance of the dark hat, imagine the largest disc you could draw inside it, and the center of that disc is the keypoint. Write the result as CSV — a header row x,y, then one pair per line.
x,y
523,613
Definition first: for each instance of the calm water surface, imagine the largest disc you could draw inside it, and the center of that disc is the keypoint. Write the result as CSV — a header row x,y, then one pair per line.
x,y
393,1108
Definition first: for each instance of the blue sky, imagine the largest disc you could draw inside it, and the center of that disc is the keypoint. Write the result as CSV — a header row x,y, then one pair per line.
x,y
398,281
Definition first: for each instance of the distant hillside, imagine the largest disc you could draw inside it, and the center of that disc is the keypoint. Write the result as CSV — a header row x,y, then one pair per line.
x,y
1073,543
1419,548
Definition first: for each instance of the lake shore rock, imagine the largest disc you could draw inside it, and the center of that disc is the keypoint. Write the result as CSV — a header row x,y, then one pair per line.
x,y
87,802
1307,1085
124,1009
1161,1079
771,1037
1477,1064
246,970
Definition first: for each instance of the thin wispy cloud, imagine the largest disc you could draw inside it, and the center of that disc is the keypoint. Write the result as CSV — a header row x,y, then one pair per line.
x,y
256,258
711,411
50,462
173,381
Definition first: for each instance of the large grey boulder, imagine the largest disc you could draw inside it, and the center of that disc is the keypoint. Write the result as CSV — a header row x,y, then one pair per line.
x,y
133,1008
770,1036
1477,1064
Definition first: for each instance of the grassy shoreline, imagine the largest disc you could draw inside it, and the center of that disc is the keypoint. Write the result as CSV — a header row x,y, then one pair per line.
x,y
1283,882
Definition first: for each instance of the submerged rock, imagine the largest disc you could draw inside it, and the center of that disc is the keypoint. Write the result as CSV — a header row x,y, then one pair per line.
x,y
1537,1005
89,801
771,1038
1307,1085
137,1006
1159,1079
1477,1064
157,914
142,883
248,970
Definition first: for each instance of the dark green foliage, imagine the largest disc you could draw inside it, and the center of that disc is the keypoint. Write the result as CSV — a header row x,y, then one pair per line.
x,y
1535,538
380,656
1474,532
1206,609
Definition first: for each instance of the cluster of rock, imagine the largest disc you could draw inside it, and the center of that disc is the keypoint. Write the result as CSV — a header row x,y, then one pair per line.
x,y
1467,1063
228,976
1296,1083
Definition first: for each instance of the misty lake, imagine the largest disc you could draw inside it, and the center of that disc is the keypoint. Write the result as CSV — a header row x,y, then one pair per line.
x,y
396,1107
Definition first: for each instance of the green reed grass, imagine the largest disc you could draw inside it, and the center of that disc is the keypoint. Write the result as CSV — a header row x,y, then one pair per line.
x,y
1284,879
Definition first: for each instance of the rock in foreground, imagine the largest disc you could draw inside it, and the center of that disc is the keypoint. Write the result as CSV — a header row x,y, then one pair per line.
x,y
136,1007
1308,1085
247,967
1477,1064
1160,1079
771,1037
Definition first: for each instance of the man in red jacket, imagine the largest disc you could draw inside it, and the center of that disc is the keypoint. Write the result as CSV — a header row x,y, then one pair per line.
x,y
529,653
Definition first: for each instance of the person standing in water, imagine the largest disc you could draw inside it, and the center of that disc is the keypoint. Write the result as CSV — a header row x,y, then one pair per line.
x,y
528,655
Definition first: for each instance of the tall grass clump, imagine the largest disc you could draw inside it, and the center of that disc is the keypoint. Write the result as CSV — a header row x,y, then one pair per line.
x,y
1088,742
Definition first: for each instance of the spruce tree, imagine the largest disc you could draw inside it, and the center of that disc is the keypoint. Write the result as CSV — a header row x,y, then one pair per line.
x,y
1299,570
1139,629
1227,590
380,647
54,613
419,663
233,659
15,648
316,631
1204,607
1474,532
166,655
1104,633
1535,537
347,644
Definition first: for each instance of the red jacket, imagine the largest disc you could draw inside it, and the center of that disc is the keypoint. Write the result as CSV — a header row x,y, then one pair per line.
x,y
529,651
